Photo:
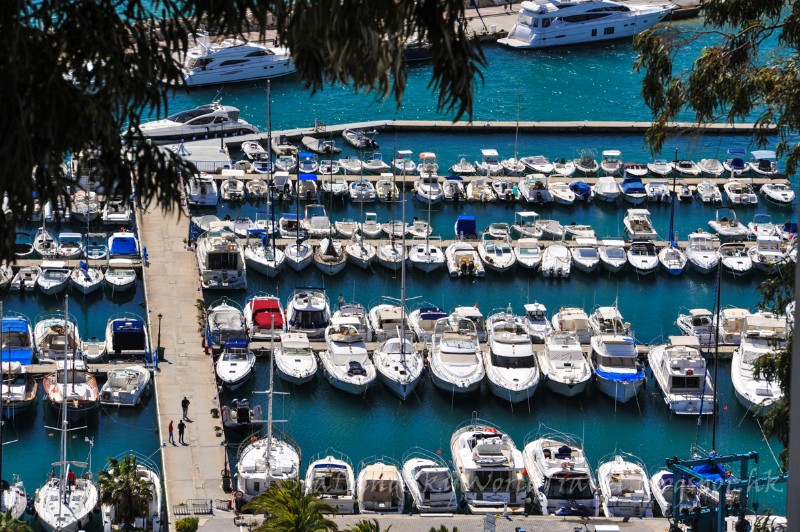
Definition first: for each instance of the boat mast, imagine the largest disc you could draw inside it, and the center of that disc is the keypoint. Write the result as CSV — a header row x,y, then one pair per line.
x,y
516,134
3,377
62,484
672,204
403,266
269,394
270,173
716,358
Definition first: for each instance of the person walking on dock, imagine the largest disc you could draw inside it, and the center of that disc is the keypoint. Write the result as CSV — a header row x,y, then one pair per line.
x,y
171,434
181,428
185,406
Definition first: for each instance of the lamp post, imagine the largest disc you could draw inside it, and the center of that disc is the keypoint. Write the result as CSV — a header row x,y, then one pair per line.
x,y
158,341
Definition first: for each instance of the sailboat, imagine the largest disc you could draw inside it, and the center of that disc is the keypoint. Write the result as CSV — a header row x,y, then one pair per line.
x,y
426,257
260,462
514,166
397,362
65,502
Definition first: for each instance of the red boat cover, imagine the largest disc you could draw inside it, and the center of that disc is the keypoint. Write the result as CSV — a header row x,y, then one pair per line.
x,y
264,310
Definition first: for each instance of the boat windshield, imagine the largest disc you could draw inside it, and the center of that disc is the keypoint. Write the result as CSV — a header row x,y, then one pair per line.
x,y
569,487
313,319
517,362
185,116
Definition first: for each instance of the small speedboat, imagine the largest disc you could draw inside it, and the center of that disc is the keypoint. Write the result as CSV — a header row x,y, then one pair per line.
x,y
70,245
331,479
634,169
120,275
711,167
463,167
633,190
263,317
586,163
240,416
463,260
375,164
779,194
294,359
232,189
541,165
727,225
235,366
613,255
740,193
362,191
86,279
429,481
25,279
606,189
611,163
643,257
387,190
54,277
624,488
660,167
556,261
672,259
585,255
528,253
125,386
762,225
657,191
701,251
708,192
345,363
734,259
687,168
764,163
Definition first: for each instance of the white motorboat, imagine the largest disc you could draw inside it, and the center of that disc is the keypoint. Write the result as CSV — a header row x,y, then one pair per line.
x,y
489,468
45,244
117,211
316,222
528,253
735,259
208,121
334,185
660,167
564,365
613,255
455,357
252,149
370,228
762,336
536,322
78,390
540,164
50,339
362,191
657,191
662,486
740,193
561,192
643,257
127,337
306,188
533,189
308,311
120,275
764,163
202,190
480,190
264,257
330,257
387,320
427,189
680,371
606,189
423,321
379,487
234,366
290,225
762,225
767,253
546,23
711,167
511,368
391,255
399,365
25,279
564,167
345,363
463,260
298,255
474,314
634,169
360,139
702,251
560,478
375,164
86,279
496,253
624,487
611,162
123,245
489,164
608,320
618,372
525,225
294,358
672,259
633,190
731,325
54,277
708,192
779,194
307,163
585,255
556,261
429,481
687,168
85,205
221,260
354,315
286,163
426,256
232,60
125,386
505,188
359,252
331,479
70,245
263,318
387,190
403,164
638,225
513,166
463,167
575,230
320,146
586,162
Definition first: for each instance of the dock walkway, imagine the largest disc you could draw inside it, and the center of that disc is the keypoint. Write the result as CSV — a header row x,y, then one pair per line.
x,y
192,472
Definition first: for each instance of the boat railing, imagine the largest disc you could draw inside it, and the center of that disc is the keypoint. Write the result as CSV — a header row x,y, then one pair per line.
x,y
330,451
277,434
628,457
475,423
545,432
420,452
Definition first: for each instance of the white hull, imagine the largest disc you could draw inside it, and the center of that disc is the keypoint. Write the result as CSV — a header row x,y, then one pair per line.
x,y
512,396
567,389
621,392
451,387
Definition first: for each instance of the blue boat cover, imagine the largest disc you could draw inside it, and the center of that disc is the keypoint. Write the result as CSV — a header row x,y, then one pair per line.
x,y
633,184
453,178
291,216
127,325
13,324
124,245
16,353
308,177
737,150
431,313
713,472
580,188
620,377
306,155
737,164
236,343
466,225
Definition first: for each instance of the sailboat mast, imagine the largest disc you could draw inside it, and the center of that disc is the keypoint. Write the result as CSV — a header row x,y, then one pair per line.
x,y
3,377
716,358
64,422
270,173
269,394
403,267
516,134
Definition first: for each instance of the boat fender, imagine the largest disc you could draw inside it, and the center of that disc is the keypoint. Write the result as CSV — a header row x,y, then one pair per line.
x,y
690,372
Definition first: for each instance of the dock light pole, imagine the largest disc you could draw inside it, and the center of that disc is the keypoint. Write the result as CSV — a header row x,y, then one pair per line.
x,y
158,341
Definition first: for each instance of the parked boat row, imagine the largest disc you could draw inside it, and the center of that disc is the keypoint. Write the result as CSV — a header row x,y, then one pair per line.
x,y
55,276
69,245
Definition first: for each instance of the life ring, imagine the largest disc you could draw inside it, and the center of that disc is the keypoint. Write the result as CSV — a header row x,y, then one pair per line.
x,y
238,495
690,372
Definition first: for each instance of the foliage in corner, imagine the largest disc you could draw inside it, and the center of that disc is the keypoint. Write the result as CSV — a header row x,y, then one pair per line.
x,y
288,507
80,75
777,291
122,487
733,80
9,523
368,525
187,524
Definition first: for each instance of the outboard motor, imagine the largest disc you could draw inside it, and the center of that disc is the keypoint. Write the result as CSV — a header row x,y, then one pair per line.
x,y
539,197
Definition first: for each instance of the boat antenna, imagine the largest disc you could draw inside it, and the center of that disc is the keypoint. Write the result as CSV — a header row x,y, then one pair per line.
x,y
64,418
716,358
516,134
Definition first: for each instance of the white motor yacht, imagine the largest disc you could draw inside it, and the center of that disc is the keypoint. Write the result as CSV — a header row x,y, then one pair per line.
x,y
221,260
496,253
779,194
355,315
559,476
528,253
202,190
763,336
556,261
474,314
708,192
564,365
429,481
608,320
234,366
618,372
489,468
399,365
423,321
740,193
308,311
455,358
125,386
294,359
463,260
330,477
232,60
585,255
731,324
536,322
624,487
643,257
345,363
573,319
120,275
701,251
379,487
698,322
767,253
613,255
638,225
734,258
606,189
680,371
727,225
208,121
510,363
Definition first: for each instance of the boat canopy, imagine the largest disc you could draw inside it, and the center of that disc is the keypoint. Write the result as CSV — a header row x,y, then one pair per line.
x,y
308,177
431,313
124,245
763,154
466,225
453,178
16,340
306,155
263,312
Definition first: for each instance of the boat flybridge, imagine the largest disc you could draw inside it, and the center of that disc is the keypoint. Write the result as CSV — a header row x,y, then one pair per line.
x,y
547,23
221,260
681,372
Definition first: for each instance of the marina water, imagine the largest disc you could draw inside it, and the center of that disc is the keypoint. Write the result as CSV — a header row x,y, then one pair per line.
x,y
577,83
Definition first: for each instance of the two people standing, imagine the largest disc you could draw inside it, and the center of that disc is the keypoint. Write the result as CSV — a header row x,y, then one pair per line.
x,y
181,425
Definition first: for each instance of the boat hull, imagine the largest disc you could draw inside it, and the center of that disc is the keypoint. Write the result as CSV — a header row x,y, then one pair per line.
x,y
450,387
401,389
567,389
512,396
621,392
290,377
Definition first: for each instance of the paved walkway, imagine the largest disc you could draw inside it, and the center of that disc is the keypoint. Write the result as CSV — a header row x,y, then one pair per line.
x,y
193,470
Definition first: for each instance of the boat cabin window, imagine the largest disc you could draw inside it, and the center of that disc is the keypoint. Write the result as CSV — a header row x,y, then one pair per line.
x,y
232,62
259,53
13,339
202,120
223,261
220,119
584,17
569,487
687,383
313,319
618,362
185,116
493,481
546,22
513,362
